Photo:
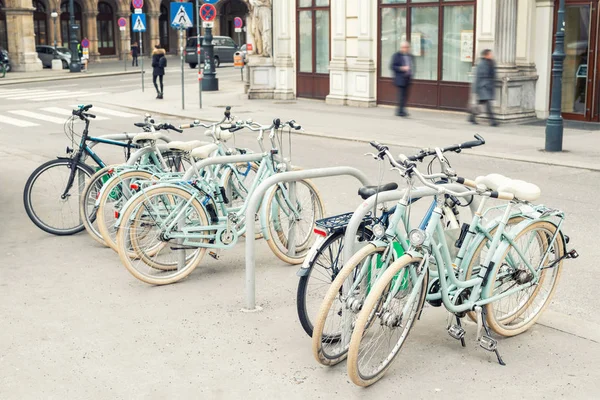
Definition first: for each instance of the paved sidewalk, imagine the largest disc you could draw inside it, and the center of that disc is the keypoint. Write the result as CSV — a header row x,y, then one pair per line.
x,y
95,69
424,128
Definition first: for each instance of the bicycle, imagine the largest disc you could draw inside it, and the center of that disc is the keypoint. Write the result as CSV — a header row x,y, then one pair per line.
x,y
508,268
325,258
164,221
118,189
64,178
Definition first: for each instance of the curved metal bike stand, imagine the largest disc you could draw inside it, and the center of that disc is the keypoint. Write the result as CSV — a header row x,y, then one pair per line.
x,y
395,195
200,165
255,201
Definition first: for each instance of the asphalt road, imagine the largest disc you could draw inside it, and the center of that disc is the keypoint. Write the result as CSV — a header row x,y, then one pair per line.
x,y
76,324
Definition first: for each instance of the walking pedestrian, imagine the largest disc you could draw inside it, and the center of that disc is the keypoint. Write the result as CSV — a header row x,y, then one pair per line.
x,y
485,87
159,62
135,52
403,67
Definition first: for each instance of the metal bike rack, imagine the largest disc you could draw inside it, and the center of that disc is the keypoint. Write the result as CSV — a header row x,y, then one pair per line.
x,y
395,195
200,165
257,198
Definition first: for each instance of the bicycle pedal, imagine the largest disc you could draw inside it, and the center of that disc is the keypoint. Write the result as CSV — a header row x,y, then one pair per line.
x,y
572,254
488,343
214,255
457,332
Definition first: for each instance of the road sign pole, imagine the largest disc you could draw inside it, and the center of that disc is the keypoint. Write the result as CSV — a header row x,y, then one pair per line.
x,y
181,27
198,47
142,59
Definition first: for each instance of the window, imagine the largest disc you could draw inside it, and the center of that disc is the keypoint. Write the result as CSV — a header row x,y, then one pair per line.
x,y
39,22
424,42
313,36
393,33
105,28
3,30
458,43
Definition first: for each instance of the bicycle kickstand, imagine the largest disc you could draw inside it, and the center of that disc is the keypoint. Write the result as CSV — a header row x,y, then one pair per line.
x,y
486,341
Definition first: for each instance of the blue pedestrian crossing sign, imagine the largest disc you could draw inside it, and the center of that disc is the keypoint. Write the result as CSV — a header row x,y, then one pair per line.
x,y
138,22
182,15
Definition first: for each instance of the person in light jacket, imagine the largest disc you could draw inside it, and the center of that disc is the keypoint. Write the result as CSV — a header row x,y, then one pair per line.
x,y
159,62
403,66
485,87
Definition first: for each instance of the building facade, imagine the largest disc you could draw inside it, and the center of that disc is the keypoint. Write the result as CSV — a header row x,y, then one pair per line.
x,y
339,50
27,23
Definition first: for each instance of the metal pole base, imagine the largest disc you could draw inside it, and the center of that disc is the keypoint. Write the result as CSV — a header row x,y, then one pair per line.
x,y
75,67
253,310
554,134
210,83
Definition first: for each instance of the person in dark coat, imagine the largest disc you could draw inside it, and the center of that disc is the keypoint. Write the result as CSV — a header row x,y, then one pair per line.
x,y
135,52
159,62
485,86
403,67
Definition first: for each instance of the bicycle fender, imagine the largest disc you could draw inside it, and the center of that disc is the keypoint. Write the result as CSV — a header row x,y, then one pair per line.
x,y
310,257
263,213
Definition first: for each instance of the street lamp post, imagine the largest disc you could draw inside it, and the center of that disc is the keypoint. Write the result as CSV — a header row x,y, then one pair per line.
x,y
75,65
554,124
54,15
210,83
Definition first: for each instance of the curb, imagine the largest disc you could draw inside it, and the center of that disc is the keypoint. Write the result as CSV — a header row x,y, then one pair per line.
x,y
573,165
60,77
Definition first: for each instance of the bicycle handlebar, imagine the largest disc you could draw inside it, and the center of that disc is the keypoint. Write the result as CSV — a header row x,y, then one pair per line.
x,y
455,147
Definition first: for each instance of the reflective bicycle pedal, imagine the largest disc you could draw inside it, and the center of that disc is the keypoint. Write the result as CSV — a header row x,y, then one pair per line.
x,y
214,254
488,343
572,254
457,332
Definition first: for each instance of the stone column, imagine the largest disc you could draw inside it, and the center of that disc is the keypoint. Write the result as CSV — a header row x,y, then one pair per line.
x,y
283,49
153,31
506,35
515,89
124,40
338,68
362,73
21,42
544,18
91,31
525,54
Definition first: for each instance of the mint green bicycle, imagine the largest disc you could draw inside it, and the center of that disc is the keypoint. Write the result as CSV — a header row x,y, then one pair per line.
x,y
507,288
170,225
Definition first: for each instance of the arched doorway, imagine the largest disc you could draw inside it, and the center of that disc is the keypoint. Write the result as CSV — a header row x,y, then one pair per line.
x,y
229,10
3,31
65,30
106,29
163,27
40,27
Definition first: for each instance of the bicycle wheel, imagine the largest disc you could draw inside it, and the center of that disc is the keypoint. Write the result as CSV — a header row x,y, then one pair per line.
x,y
113,196
87,205
283,221
322,270
43,196
481,253
517,312
160,259
385,321
338,311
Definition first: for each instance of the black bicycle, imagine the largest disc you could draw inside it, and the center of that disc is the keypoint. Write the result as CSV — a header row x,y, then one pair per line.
x,y
53,192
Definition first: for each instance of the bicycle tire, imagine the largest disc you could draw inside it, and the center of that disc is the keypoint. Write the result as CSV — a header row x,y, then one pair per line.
x,y
364,321
30,208
88,212
335,356
303,283
512,323
277,237
105,230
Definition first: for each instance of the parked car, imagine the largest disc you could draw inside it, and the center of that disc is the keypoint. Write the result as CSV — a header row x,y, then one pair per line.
x,y
46,54
224,50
